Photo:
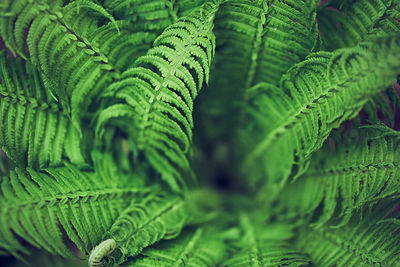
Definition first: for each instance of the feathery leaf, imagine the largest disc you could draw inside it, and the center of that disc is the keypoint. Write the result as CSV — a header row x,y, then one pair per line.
x,y
161,90
34,130
316,96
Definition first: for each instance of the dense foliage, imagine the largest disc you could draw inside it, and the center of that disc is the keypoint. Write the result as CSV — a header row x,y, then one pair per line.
x,y
200,133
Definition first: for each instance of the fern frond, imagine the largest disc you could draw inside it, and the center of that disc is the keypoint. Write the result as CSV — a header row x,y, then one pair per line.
x,y
200,247
58,46
47,208
151,15
256,41
155,217
347,24
264,245
121,48
5,163
42,258
318,94
268,37
384,108
159,93
370,239
15,18
289,34
34,130
269,254
359,172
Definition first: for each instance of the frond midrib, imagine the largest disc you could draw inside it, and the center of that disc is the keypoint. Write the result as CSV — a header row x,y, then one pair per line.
x,y
340,169
79,39
159,214
295,118
338,241
258,44
25,101
181,56
62,199
252,243
189,248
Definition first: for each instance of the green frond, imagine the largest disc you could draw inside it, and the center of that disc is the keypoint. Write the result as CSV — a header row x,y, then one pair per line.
x,y
347,24
264,245
267,36
153,218
34,130
51,208
161,90
151,15
269,254
238,28
203,246
316,96
357,173
370,239
60,45
289,34
16,17
41,258
97,8
296,144
124,47
256,41
383,108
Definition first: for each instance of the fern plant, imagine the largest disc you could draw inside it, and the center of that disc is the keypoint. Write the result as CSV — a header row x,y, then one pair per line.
x,y
199,133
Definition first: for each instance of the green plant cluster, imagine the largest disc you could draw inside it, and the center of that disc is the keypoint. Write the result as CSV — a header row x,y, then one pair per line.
x,y
200,132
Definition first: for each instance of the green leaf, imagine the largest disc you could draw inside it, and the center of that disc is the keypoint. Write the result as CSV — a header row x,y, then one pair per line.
x,y
35,131
148,16
161,90
369,239
203,246
51,208
317,95
357,173
264,245
354,21
152,218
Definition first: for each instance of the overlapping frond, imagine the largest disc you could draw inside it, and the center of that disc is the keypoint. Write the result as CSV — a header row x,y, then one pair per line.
x,y
346,24
316,96
48,208
150,15
203,246
356,174
34,130
264,245
263,39
370,239
269,254
289,34
152,218
55,39
383,109
96,117
41,258
124,47
256,41
158,93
